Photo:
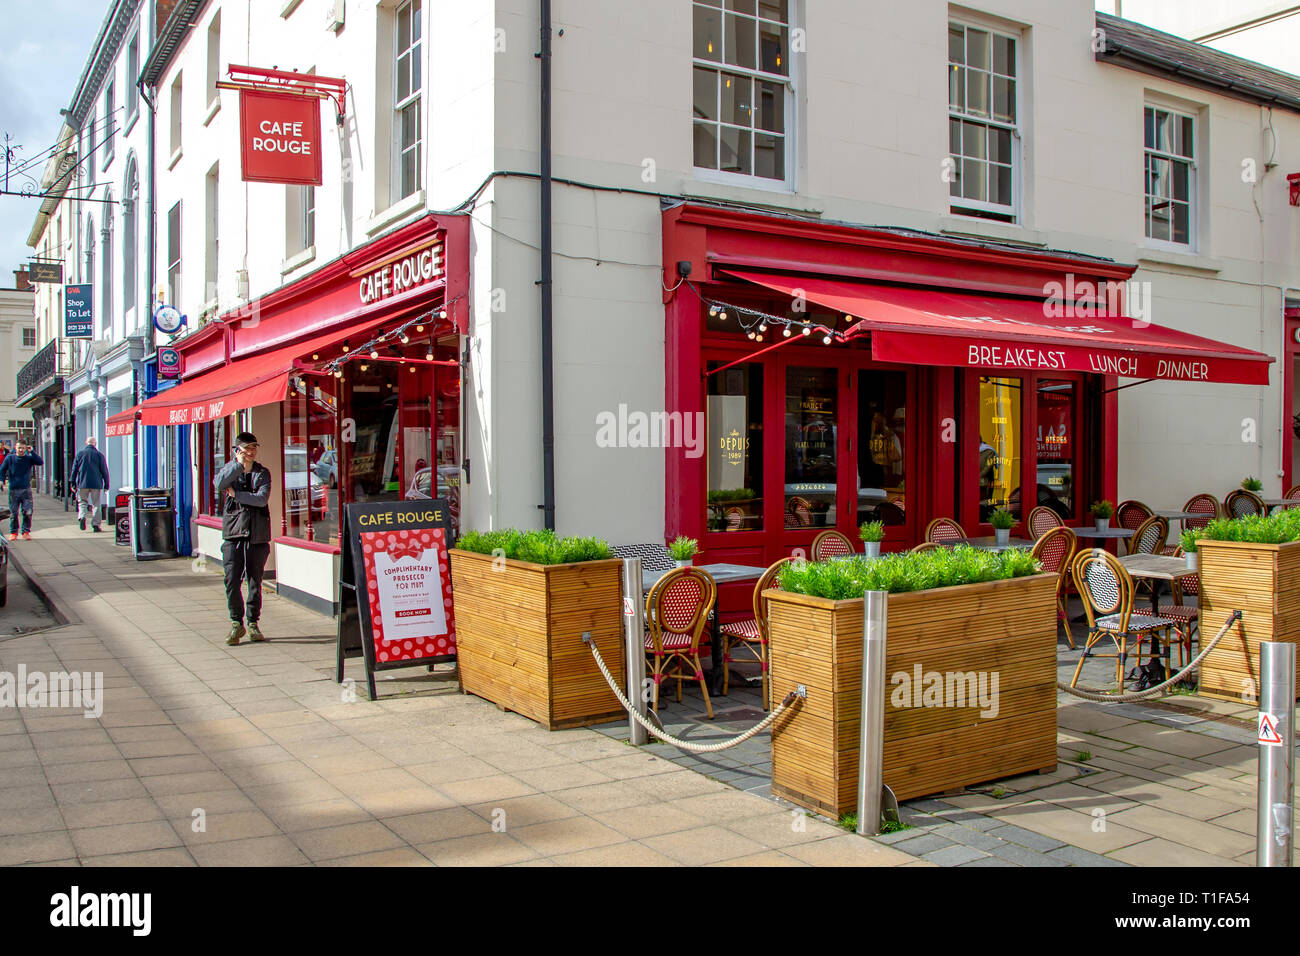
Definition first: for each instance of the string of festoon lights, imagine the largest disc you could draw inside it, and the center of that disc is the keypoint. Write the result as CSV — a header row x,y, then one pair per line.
x,y
756,323
393,339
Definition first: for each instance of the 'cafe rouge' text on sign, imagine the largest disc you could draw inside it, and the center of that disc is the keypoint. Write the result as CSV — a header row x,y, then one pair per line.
x,y
405,271
280,137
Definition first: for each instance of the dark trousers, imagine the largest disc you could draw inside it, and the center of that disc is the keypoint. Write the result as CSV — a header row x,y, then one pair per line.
x,y
244,562
20,500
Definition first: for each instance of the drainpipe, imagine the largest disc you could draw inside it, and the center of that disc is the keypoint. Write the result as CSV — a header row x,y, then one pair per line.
x,y
150,242
548,364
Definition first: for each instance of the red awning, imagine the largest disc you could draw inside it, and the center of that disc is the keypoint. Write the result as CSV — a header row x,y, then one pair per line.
x,y
260,379
122,424
928,327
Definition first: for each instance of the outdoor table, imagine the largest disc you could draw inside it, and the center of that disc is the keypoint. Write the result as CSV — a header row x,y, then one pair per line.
x,y
990,543
1176,515
1272,503
1158,568
1105,533
721,574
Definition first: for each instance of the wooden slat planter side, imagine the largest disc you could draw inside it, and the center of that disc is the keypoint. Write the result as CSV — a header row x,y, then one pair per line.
x,y
519,636
1263,582
1007,627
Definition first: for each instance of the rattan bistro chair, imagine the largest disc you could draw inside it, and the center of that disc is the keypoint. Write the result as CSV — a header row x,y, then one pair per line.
x,y
1107,592
751,634
944,531
1149,537
1054,551
798,513
1131,513
831,544
1202,504
1187,615
1042,520
1241,503
1293,493
677,610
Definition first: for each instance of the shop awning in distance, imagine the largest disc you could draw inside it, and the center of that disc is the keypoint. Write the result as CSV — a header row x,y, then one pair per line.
x,y
260,379
929,327
123,423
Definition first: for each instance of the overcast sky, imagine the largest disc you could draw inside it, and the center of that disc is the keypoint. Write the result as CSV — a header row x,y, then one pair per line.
x,y
42,53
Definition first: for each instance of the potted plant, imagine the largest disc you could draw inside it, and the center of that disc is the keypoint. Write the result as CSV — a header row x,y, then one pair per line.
x,y
1101,512
1002,521
1188,540
872,533
523,600
956,617
1251,483
683,550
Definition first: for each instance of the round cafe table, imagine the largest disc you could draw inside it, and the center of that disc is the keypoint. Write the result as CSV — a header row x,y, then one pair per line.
x,y
1103,534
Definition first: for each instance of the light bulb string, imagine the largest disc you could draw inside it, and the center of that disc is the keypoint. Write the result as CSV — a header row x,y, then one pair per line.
x,y
394,335
754,322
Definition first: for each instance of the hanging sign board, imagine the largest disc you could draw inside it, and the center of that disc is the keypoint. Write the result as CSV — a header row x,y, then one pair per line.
x,y
395,605
169,363
39,271
279,138
78,317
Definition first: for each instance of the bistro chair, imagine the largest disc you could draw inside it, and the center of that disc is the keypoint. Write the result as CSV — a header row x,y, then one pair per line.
x,y
926,546
1202,504
1042,520
1187,615
831,544
677,609
1130,514
944,531
1107,593
654,556
798,513
735,519
1241,503
1293,493
1054,551
751,635
1149,537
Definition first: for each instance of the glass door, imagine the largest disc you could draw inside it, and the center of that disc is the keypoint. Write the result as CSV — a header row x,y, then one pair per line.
x,y
882,449
812,456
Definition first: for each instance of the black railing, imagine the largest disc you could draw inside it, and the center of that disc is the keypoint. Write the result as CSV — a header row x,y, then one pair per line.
x,y
40,370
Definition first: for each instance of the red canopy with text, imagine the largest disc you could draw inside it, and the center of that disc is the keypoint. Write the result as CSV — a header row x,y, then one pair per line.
x,y
122,424
260,379
928,327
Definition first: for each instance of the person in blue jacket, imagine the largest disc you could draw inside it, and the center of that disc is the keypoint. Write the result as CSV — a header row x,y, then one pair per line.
x,y
16,475
90,478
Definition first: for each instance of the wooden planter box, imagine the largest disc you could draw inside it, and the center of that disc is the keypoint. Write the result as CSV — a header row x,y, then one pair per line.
x,y
1263,582
519,636
1007,627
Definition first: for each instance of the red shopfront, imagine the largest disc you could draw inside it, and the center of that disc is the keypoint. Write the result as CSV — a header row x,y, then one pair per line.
x,y
349,377
923,377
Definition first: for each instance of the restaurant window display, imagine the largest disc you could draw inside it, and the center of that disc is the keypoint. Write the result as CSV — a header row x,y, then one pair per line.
x,y
811,461
214,452
882,450
735,449
1056,447
999,451
310,466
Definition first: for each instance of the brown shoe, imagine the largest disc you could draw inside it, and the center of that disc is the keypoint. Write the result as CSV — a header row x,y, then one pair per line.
x,y
255,633
236,632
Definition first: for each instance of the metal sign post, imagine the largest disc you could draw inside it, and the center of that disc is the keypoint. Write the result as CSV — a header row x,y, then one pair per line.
x,y
871,747
634,635
1273,836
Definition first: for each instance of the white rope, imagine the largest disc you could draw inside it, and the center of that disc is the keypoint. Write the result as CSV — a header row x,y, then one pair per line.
x,y
1101,696
659,733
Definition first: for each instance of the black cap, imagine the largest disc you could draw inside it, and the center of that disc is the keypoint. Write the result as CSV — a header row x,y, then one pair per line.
x,y
245,438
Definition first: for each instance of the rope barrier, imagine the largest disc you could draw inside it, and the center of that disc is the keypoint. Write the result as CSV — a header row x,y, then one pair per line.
x,y
687,745
1101,696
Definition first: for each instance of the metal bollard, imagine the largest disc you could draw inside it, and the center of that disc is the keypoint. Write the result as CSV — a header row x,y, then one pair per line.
x,y
634,638
871,746
1273,837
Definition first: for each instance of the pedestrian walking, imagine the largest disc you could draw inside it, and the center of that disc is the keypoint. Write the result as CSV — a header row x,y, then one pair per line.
x,y
16,476
90,481
244,487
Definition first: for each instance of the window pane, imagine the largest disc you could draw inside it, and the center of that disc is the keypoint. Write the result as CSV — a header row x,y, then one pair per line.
x,y
811,416
736,100
1160,184
957,88
1004,99
954,137
742,6
1180,173
1181,225
735,460
404,28
769,156
977,49
1000,145
706,145
294,475
1186,141
373,457
1149,126
740,41
706,94
1164,132
774,10
708,34
956,45
1004,56
1056,447
972,174
882,447
415,70
403,77
973,138
999,446
1000,185
736,144
773,42
977,93
415,21
410,124
771,107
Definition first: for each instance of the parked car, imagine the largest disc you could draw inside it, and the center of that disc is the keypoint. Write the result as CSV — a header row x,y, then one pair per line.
x,y
295,484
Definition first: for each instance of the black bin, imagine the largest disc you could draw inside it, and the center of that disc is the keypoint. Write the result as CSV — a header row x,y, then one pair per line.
x,y
154,518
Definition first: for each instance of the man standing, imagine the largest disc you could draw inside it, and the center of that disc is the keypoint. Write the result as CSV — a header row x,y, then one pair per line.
x,y
90,478
244,487
16,473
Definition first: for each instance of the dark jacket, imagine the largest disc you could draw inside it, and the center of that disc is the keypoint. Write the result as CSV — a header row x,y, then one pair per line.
x,y
90,468
17,469
246,515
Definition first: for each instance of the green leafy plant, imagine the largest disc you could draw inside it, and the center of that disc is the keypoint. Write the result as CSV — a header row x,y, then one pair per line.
x,y
1002,520
848,578
872,531
1083,756
997,793
1277,528
683,548
893,826
1251,483
536,547
730,494
1102,509
849,821
1189,538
